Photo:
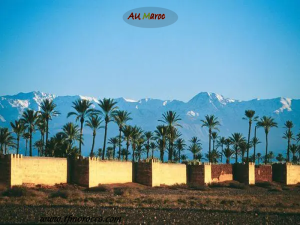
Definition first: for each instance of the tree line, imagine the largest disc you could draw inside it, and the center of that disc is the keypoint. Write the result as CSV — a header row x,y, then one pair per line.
x,y
165,138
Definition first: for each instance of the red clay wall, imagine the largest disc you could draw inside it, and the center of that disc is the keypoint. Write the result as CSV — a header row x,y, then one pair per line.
x,y
279,172
79,169
221,172
143,173
263,173
240,172
4,170
195,175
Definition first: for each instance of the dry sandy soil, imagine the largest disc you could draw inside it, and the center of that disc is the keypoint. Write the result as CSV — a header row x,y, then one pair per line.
x,y
227,203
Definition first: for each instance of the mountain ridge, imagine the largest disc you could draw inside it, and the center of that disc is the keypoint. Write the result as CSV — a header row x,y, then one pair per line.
x,y
147,111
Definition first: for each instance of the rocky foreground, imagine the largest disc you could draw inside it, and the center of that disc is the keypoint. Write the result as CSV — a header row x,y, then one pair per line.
x,y
227,203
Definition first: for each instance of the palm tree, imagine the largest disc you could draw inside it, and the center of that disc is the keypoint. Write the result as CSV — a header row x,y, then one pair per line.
x,y
270,156
39,146
280,158
113,141
41,126
6,140
109,152
249,115
236,140
266,123
127,132
108,110
26,137
139,149
183,157
18,128
160,135
258,157
171,119
94,122
29,119
195,146
48,111
289,136
212,123
149,137
214,156
243,149
71,133
83,109
214,136
135,138
255,141
294,149
152,147
228,153
121,117
180,144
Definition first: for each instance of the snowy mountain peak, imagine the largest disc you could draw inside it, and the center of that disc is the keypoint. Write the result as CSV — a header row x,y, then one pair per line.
x,y
208,97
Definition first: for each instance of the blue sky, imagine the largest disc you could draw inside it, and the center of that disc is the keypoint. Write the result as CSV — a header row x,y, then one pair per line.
x,y
240,49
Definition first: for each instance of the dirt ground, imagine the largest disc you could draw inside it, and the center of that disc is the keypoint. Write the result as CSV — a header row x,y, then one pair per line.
x,y
226,203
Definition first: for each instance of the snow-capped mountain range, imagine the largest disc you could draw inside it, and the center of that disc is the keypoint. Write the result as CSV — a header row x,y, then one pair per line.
x,y
146,113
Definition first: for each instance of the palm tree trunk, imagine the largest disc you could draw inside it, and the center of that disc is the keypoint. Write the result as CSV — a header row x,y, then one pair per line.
x,y
179,155
236,154
30,144
47,133
209,146
26,143
227,160
5,149
120,136
1,148
288,150
152,152
104,143
127,149
18,143
162,155
81,127
254,145
93,144
248,142
114,151
266,156
148,146
133,151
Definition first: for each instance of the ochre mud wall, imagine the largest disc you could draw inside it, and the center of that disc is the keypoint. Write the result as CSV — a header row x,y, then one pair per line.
x,y
44,170
293,174
168,174
109,172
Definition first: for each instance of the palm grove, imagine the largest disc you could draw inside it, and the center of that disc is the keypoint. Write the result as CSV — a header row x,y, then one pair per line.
x,y
135,143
